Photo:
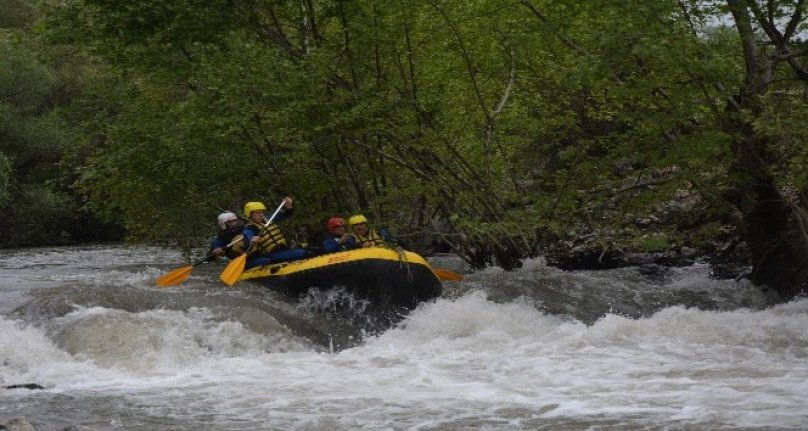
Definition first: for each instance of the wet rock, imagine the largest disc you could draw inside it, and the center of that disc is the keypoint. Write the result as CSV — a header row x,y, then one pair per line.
x,y
655,273
583,259
586,260
31,386
17,424
730,270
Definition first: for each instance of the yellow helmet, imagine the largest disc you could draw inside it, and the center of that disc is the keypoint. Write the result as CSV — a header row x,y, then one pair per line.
x,y
253,206
356,219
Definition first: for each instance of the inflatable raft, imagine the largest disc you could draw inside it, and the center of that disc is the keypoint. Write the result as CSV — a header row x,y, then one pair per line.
x,y
379,274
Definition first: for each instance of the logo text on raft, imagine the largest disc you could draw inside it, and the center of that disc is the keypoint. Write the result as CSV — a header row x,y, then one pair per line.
x,y
338,259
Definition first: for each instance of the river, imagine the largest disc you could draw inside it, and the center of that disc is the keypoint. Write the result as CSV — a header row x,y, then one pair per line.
x,y
533,349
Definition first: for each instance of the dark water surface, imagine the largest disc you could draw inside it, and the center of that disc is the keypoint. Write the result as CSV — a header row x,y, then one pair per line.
x,y
537,348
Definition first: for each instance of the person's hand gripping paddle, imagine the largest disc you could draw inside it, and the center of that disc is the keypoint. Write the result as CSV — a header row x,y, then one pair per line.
x,y
234,269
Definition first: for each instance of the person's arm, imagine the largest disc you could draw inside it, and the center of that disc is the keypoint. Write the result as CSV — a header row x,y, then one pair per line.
x,y
216,247
330,245
283,215
212,248
244,244
216,242
348,242
286,212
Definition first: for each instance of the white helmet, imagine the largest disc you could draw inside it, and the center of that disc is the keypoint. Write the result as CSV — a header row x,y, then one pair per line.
x,y
224,218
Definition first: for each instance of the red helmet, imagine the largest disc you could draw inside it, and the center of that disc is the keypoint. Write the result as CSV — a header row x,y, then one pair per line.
x,y
334,222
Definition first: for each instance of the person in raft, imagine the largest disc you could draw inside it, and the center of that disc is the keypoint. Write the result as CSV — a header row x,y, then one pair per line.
x,y
364,236
267,245
230,227
337,238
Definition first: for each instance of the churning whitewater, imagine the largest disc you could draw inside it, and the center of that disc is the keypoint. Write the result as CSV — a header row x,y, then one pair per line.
x,y
537,348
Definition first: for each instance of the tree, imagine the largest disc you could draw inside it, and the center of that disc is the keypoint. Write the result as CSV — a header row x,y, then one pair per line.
x,y
761,115
741,118
36,83
29,139
517,124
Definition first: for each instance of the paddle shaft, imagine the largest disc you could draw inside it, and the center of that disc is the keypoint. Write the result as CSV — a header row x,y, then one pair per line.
x,y
179,275
236,239
234,269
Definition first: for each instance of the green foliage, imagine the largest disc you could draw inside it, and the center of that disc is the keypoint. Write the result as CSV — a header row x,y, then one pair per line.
x,y
40,216
5,180
36,83
513,121
653,242
16,13
784,122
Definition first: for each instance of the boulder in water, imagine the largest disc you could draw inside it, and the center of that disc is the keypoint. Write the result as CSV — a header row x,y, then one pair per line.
x,y
24,386
17,424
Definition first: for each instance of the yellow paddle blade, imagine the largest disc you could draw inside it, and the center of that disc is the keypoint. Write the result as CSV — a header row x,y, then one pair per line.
x,y
447,274
176,276
233,270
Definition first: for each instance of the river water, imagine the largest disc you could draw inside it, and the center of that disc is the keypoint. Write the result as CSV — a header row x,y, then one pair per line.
x,y
534,349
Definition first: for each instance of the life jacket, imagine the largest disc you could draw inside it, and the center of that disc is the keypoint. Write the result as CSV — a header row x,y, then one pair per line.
x,y
231,252
373,238
230,240
272,238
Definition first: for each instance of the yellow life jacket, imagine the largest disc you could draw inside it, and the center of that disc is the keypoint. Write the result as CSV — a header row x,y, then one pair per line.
x,y
234,250
373,238
270,239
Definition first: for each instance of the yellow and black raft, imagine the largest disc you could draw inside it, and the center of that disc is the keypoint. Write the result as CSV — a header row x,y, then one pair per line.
x,y
378,274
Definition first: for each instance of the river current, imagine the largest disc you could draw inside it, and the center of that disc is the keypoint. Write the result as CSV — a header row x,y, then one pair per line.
x,y
533,349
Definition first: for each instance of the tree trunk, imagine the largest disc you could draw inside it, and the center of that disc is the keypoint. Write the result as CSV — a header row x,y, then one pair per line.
x,y
774,228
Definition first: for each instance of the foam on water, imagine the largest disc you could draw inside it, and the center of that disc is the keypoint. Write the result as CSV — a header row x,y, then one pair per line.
x,y
25,269
465,361
450,362
87,257
680,363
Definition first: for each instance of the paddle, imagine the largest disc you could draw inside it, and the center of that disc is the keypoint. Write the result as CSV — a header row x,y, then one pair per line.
x,y
179,275
234,269
447,274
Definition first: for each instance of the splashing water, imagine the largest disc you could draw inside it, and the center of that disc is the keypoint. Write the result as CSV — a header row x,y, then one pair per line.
x,y
533,349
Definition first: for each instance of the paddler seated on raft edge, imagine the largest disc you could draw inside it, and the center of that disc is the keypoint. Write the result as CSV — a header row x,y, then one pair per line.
x,y
267,245
337,238
230,227
364,236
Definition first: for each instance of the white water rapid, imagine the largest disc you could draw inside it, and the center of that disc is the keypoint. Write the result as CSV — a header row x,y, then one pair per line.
x,y
114,352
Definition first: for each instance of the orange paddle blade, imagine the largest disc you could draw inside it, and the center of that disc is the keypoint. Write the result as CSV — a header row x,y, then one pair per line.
x,y
233,270
176,276
447,274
